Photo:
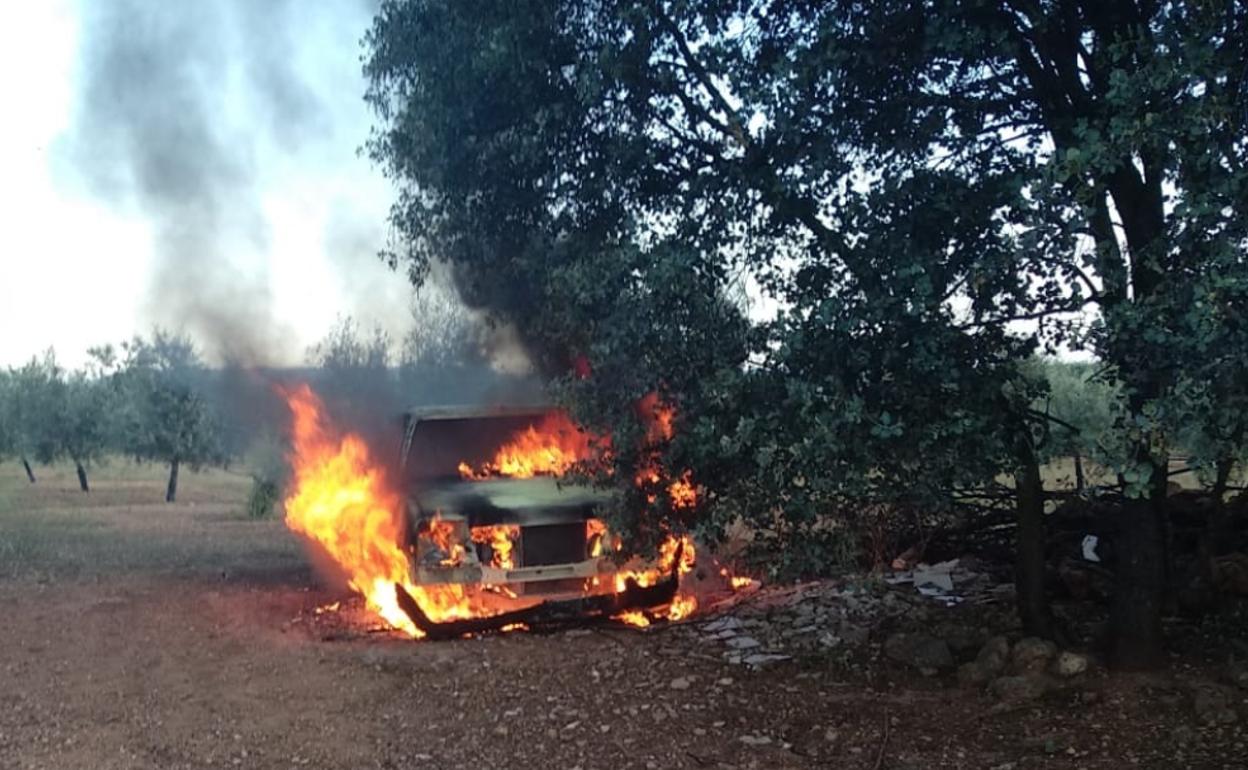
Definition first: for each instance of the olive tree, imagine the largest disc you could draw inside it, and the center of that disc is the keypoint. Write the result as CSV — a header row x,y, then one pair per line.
x,y
164,415
86,424
8,439
34,413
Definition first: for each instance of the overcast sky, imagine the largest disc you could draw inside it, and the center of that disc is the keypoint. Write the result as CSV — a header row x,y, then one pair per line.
x,y
192,165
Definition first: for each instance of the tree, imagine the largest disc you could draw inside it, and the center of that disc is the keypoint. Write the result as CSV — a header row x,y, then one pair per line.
x,y
445,357
355,368
85,424
443,333
164,416
927,195
34,410
8,440
636,204
1082,407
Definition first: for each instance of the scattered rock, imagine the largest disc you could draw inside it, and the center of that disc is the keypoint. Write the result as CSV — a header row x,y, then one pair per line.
x,y
826,616
995,653
1049,744
755,740
681,683
1014,690
974,674
761,659
989,663
829,640
1031,655
1182,734
726,623
919,650
1069,664
1237,674
962,639
1213,704
852,633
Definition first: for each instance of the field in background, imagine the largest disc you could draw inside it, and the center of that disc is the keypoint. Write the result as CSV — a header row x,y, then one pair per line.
x,y
1059,474
53,529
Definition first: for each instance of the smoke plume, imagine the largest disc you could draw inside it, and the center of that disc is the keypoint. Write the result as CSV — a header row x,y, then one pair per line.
x,y
184,110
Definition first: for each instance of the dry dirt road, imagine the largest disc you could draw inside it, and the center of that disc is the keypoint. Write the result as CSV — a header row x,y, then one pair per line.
x,y
135,634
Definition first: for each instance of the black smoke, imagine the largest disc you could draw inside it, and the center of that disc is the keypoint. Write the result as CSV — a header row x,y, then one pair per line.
x,y
182,108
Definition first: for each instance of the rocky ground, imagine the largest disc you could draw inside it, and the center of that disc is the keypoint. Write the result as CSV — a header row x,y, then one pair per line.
x,y
139,635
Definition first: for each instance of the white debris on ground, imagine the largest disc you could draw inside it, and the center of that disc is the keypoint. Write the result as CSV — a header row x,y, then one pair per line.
x,y
950,583
772,625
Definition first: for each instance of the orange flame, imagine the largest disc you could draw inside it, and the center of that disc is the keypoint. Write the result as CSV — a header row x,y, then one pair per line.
x,y
442,534
659,418
342,501
501,539
737,582
683,605
682,492
633,618
599,539
550,448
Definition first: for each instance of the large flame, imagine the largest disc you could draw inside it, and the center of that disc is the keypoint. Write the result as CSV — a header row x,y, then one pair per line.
x,y
554,445
683,605
550,448
341,500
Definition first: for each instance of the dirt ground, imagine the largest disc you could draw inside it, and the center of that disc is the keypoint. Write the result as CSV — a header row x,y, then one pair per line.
x,y
135,634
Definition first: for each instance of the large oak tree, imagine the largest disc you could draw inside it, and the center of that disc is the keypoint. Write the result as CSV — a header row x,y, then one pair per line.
x,y
922,194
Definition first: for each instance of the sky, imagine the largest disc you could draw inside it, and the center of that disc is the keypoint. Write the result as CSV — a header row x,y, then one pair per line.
x,y
188,165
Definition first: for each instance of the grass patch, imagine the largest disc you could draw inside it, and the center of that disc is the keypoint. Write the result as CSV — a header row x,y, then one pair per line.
x,y
52,530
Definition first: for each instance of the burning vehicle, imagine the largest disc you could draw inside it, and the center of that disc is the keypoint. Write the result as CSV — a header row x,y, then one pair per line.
x,y
480,529
487,504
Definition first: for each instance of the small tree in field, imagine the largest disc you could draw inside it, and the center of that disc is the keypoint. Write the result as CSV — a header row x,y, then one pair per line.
x,y
83,430
7,440
165,418
34,411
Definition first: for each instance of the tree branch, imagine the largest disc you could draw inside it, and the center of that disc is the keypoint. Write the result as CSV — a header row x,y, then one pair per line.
x,y
736,130
1054,420
1027,316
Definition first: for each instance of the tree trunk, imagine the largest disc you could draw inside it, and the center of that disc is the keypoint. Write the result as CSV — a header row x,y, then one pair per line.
x,y
30,474
171,492
1139,595
82,476
1080,480
1033,605
1217,534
